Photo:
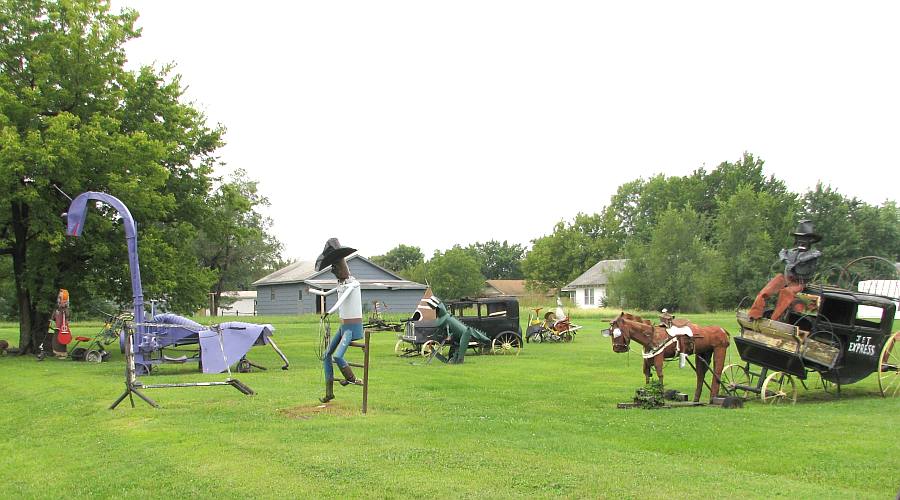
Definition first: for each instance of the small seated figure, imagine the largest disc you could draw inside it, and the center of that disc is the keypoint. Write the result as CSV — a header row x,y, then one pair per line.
x,y
665,319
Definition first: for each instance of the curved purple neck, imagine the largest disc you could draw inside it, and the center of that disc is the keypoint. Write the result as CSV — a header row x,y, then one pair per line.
x,y
75,223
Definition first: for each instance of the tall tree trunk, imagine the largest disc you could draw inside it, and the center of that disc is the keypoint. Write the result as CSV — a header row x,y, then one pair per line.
x,y
33,325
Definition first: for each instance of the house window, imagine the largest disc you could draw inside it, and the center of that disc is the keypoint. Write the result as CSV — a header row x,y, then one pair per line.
x,y
272,294
300,295
588,296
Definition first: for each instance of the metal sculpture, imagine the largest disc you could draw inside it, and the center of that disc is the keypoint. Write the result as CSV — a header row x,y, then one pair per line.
x,y
458,333
349,308
707,343
170,330
799,267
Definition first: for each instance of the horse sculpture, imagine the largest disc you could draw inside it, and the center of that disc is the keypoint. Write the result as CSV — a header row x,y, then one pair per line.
x,y
703,341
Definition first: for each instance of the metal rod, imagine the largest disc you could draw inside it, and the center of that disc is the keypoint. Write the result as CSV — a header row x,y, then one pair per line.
x,y
365,401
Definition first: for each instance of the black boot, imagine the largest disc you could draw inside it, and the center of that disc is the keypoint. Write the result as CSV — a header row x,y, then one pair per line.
x,y
349,377
329,391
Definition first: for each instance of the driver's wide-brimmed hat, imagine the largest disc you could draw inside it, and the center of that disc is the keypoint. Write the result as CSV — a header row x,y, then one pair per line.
x,y
806,230
333,252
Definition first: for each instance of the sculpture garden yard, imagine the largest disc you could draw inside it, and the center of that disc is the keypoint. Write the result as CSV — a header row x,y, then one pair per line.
x,y
542,424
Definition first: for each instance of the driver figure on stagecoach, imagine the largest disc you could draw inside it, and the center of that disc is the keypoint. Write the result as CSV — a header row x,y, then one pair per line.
x,y
799,266
349,307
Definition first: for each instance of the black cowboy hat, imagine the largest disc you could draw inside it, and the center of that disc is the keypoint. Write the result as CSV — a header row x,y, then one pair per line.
x,y
805,229
332,253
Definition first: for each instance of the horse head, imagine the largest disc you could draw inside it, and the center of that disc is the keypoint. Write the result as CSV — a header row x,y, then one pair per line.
x,y
627,327
619,334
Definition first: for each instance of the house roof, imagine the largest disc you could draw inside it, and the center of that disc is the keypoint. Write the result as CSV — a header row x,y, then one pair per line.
x,y
598,274
305,272
515,288
241,294
370,284
294,273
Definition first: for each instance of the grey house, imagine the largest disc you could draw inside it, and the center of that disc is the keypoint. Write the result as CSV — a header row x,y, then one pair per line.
x,y
286,291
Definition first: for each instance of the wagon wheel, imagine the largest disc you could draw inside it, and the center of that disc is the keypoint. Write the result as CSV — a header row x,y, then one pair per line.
x,y
735,374
400,348
93,356
506,343
889,367
779,388
430,348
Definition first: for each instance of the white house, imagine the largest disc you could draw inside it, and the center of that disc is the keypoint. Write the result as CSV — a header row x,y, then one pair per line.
x,y
590,288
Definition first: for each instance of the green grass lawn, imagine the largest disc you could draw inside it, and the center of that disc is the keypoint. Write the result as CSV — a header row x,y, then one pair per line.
x,y
542,424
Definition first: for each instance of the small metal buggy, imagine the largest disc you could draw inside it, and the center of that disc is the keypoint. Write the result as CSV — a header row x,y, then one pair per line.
x,y
550,328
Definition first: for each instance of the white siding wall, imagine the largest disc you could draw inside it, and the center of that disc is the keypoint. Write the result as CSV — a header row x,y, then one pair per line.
x,y
599,296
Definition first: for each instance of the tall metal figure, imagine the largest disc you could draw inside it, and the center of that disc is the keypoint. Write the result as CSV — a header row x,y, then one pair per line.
x,y
799,267
349,307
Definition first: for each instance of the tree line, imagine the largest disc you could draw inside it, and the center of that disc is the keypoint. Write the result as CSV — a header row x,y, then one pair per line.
x,y
693,243
73,119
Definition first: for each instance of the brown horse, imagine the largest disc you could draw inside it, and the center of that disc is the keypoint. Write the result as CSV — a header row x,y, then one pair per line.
x,y
707,342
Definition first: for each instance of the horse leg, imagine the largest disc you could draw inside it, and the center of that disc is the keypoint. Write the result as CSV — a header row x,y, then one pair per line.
x,y
646,371
719,355
701,361
658,361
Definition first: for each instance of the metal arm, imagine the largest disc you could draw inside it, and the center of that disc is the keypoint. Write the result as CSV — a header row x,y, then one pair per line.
x,y
75,224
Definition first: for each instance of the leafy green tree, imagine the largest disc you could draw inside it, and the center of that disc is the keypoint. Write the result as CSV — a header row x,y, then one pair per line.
x,y
499,260
558,258
675,269
72,117
235,242
400,257
454,274
850,228
634,210
743,239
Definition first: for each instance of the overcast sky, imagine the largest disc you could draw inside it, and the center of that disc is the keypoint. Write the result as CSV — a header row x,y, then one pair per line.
x,y
435,123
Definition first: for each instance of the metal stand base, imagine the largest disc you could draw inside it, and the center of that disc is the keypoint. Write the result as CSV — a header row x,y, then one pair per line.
x,y
129,390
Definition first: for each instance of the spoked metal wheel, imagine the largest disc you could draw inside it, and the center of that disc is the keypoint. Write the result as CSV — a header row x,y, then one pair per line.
x,y
430,348
779,388
734,375
506,343
889,367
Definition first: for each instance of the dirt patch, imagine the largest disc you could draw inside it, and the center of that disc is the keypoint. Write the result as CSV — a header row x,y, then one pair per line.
x,y
305,412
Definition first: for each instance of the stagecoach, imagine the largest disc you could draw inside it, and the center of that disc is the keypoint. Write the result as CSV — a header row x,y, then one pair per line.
x,y
838,333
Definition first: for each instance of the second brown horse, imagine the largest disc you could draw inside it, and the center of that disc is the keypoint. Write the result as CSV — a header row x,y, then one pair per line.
x,y
707,342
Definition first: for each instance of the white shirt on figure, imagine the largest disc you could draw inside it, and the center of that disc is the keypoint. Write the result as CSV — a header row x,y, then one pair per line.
x,y
349,301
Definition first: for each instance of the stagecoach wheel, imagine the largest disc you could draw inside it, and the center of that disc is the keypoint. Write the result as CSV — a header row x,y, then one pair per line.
x,y
506,343
889,368
735,374
399,350
779,388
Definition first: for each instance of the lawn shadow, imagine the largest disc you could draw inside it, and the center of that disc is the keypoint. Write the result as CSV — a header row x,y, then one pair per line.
x,y
333,409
